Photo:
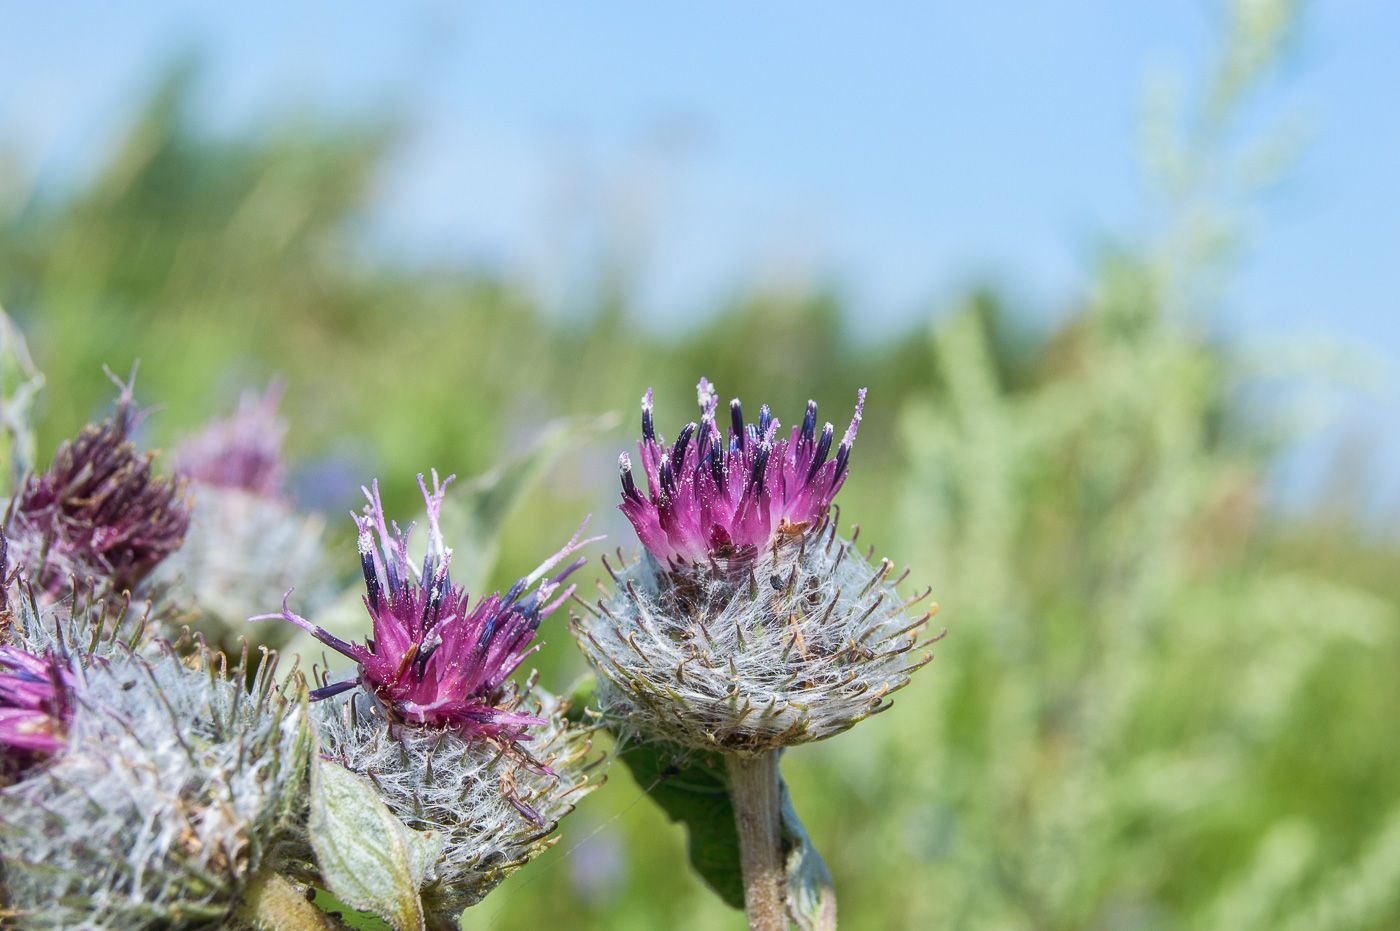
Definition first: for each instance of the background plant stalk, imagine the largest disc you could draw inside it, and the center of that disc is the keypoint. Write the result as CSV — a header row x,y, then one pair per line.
x,y
754,788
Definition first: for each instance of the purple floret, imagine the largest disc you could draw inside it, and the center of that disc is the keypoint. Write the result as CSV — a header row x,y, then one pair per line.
x,y
717,497
99,512
35,708
434,660
243,451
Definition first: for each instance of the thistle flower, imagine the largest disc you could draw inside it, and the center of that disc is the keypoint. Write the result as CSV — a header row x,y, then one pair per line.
x,y
246,543
98,513
807,639
35,708
177,785
433,659
243,451
747,625
714,499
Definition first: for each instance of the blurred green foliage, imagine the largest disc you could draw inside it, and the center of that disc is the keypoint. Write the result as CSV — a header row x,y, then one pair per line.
x,y
1161,705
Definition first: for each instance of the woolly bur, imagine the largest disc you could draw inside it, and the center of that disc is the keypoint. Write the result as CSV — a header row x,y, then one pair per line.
x,y
164,806
247,543
748,625
465,773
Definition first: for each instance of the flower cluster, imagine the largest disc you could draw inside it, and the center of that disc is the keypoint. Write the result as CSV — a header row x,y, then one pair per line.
x,y
434,659
711,498
243,451
748,625
98,514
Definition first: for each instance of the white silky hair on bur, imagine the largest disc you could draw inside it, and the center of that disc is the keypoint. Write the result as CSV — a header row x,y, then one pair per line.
x,y
466,790
802,644
242,552
177,784
93,621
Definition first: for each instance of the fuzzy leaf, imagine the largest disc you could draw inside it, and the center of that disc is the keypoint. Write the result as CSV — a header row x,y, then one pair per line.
x,y
811,893
368,858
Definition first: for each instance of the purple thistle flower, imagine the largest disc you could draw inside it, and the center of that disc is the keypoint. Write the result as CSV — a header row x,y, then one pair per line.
x,y
433,660
714,497
35,708
243,451
98,512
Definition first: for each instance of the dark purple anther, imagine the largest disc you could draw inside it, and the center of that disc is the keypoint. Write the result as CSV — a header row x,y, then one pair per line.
x,y
682,441
736,420
629,488
668,480
760,465
648,427
809,423
822,450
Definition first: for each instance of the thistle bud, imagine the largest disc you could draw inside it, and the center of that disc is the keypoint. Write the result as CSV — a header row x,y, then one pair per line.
x,y
243,451
451,744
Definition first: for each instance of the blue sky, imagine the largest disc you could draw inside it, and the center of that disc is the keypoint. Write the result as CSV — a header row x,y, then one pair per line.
x,y
901,150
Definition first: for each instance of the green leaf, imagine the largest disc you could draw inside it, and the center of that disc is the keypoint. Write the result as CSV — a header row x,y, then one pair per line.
x,y
368,858
811,893
693,789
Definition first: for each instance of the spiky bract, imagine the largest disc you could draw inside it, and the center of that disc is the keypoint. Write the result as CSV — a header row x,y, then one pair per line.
x,y
811,641
176,784
494,810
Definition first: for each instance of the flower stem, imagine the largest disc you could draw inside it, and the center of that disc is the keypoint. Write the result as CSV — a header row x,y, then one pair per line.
x,y
754,789
271,903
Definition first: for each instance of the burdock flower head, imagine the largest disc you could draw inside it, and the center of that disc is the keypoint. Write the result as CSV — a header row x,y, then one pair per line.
x,y
35,708
247,543
750,625
434,660
98,514
243,451
713,498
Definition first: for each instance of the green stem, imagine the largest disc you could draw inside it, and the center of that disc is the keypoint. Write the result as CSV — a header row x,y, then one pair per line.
x,y
754,788
271,903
